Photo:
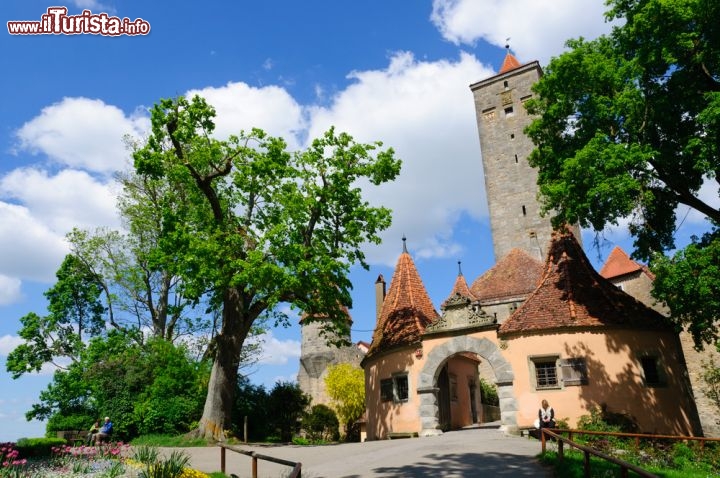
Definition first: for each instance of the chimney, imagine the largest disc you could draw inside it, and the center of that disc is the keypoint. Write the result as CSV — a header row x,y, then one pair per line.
x,y
379,295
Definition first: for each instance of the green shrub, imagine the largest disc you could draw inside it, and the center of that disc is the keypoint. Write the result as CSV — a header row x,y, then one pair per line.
x,y
57,422
37,447
321,424
488,393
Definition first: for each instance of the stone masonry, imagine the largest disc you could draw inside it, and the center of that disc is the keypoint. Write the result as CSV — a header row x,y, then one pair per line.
x,y
510,182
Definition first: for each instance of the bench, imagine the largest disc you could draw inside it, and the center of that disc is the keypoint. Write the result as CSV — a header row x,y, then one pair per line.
x,y
74,437
393,435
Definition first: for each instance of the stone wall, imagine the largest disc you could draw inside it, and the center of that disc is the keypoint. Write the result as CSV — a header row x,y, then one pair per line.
x,y
315,359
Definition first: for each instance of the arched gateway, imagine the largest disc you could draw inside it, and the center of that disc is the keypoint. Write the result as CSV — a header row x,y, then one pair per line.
x,y
427,381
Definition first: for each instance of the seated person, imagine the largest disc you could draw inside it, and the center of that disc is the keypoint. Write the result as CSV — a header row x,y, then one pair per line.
x,y
93,430
104,433
546,415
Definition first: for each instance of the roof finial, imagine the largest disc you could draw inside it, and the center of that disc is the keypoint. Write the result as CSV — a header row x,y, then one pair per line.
x,y
404,244
507,44
459,268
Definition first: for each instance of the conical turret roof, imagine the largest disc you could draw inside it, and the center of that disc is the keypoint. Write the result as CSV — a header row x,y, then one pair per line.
x,y
509,63
406,310
460,289
572,294
515,275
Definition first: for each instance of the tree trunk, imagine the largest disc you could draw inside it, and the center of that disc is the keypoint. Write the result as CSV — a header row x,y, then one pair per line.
x,y
217,413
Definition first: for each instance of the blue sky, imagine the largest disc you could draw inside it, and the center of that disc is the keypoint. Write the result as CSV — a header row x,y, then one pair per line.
x,y
396,71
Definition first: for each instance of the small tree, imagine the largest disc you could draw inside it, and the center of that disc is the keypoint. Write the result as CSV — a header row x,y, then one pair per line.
x,y
711,377
346,386
251,402
321,423
287,404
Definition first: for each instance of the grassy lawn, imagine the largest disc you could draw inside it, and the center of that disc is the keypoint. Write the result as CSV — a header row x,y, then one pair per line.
x,y
666,467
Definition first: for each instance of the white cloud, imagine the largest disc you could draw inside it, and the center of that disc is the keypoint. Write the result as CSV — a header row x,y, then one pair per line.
x,y
242,107
276,351
83,133
30,249
68,199
8,343
425,111
538,28
9,290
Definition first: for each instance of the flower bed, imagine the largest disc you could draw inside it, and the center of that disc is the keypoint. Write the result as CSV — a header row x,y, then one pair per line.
x,y
112,460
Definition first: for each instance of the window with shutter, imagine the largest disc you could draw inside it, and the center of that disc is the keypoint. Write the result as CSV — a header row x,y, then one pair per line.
x,y
574,371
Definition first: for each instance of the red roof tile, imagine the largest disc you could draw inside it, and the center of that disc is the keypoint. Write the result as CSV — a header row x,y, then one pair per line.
x,y
460,288
406,310
572,294
509,63
618,263
514,275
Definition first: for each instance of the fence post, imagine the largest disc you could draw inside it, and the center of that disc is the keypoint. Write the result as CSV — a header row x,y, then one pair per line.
x,y
222,459
542,438
254,466
586,463
245,430
561,453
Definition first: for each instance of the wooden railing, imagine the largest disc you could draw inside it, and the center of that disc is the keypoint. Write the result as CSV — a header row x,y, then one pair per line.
x,y
587,451
624,466
296,467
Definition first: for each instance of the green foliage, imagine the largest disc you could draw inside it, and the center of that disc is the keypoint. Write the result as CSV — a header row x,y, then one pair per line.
x,y
75,313
255,225
59,422
488,392
603,420
689,282
172,467
150,388
628,127
251,401
345,384
286,406
321,423
37,447
711,378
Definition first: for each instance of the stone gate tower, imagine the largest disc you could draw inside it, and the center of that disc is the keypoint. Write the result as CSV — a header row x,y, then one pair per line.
x,y
317,355
510,182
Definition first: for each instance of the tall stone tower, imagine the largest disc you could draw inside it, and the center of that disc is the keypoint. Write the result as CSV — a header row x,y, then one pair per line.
x,y
510,182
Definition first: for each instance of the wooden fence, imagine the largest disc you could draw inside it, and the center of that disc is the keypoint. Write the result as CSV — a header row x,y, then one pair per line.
x,y
296,467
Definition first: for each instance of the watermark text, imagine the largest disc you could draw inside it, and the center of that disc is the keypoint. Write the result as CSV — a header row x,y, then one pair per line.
x,y
57,22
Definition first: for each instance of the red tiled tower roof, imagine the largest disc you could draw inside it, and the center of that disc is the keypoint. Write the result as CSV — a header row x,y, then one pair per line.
x,y
514,275
460,288
572,294
619,264
406,310
509,63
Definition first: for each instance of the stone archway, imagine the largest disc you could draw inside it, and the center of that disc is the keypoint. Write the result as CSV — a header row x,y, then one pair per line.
x,y
429,410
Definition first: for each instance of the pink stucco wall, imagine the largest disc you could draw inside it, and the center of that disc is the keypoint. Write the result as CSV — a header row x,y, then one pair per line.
x,y
614,379
387,417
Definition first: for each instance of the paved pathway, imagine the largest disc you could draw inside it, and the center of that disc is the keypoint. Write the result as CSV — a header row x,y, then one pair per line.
x,y
465,453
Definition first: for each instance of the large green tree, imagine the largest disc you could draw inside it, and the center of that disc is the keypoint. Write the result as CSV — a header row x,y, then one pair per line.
x,y
75,313
627,125
256,225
